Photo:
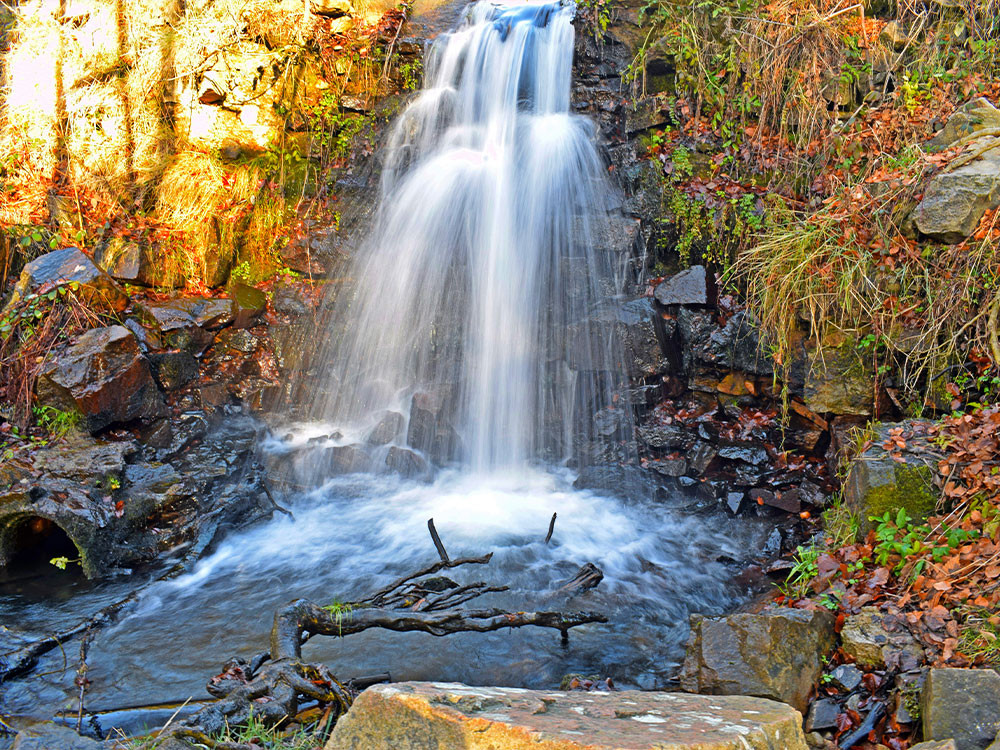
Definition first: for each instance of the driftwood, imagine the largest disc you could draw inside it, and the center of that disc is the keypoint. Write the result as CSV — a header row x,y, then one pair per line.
x,y
273,685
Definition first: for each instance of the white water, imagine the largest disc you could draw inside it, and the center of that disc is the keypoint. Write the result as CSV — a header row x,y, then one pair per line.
x,y
488,254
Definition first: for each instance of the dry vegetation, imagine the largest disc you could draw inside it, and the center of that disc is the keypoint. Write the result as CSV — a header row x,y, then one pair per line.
x,y
201,130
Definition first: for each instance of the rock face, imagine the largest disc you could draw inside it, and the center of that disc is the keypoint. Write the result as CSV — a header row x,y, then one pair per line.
x,y
775,654
879,484
420,716
103,376
70,265
963,705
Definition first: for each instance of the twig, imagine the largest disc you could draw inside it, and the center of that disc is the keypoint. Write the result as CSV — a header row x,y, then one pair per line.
x,y
437,541
81,679
552,527
270,497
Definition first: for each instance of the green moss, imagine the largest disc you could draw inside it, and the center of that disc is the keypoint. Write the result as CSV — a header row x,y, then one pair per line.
x,y
876,486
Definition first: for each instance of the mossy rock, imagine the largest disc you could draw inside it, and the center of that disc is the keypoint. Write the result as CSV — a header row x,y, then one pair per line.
x,y
878,483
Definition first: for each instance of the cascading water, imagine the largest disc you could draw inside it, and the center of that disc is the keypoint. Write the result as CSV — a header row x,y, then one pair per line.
x,y
465,337
487,258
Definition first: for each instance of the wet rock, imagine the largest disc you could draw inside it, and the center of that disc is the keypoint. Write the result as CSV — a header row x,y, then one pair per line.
x,y
97,289
388,428
878,484
775,654
647,339
238,339
288,301
414,716
430,430
667,436
700,458
754,455
347,459
70,492
51,736
692,286
846,677
249,304
629,482
963,705
822,715
734,501
314,254
173,370
189,312
405,462
669,467
955,200
103,376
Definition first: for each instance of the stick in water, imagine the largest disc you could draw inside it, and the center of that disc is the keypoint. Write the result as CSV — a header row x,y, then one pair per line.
x,y
552,527
437,541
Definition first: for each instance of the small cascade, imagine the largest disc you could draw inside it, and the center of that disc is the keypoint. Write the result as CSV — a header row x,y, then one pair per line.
x,y
466,335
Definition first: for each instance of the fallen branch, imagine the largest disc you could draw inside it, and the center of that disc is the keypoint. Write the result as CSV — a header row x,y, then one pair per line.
x,y
273,686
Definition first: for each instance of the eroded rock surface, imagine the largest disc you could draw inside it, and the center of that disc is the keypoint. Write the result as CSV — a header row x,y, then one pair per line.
x,y
419,716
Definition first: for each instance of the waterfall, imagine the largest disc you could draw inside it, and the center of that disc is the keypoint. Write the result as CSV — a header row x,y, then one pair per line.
x,y
466,334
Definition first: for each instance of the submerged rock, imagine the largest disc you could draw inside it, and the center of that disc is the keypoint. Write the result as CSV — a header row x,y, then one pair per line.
x,y
416,715
776,654
963,705
103,376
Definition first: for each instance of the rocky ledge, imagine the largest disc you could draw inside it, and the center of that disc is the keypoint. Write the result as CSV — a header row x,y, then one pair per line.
x,y
419,715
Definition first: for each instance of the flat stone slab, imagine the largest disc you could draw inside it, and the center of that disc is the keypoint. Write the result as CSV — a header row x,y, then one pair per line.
x,y
445,716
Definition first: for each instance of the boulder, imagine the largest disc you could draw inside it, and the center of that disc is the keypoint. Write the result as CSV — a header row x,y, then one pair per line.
x,y
405,462
416,716
962,705
96,288
185,322
103,376
388,428
955,200
174,370
878,484
430,430
692,286
775,654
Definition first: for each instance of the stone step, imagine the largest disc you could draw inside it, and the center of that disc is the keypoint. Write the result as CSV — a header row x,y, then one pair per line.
x,y
421,715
